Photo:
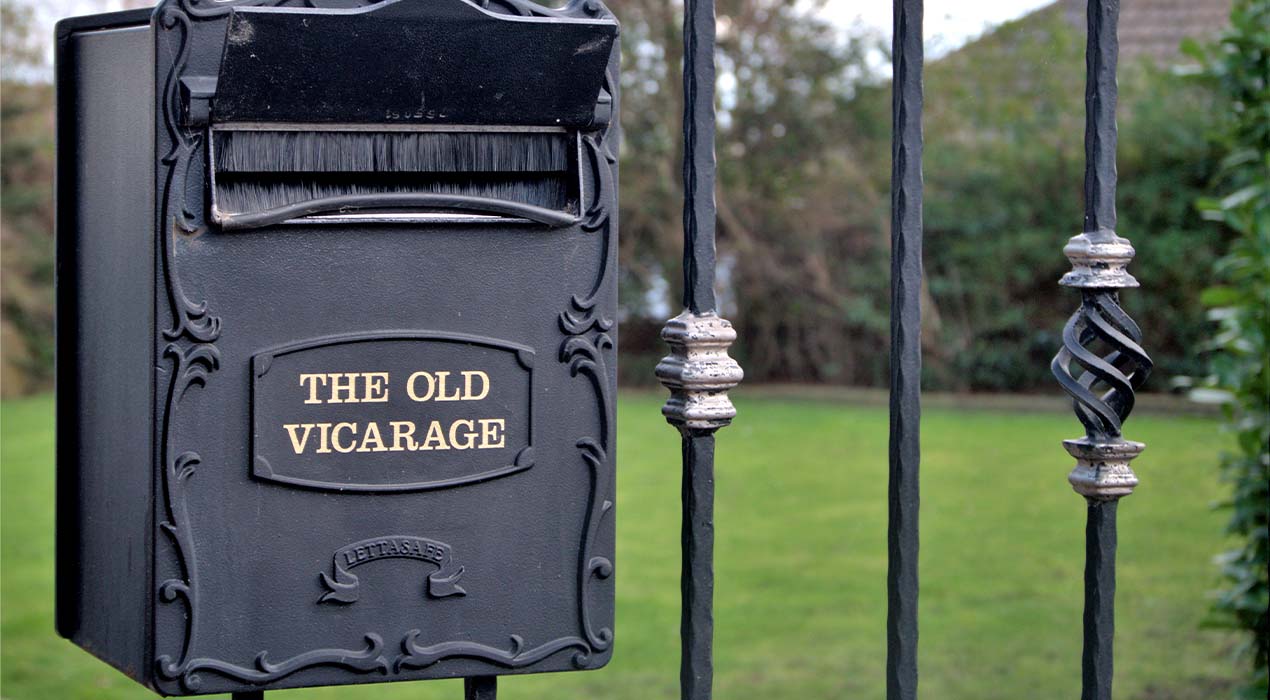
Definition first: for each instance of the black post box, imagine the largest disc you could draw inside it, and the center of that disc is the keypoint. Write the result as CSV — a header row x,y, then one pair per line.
x,y
336,372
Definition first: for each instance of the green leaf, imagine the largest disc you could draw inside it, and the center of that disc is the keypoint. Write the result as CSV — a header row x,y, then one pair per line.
x,y
1219,296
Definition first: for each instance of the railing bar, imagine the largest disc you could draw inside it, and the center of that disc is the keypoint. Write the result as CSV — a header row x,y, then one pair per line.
x,y
696,672
1102,47
480,688
698,165
1102,400
906,358
1101,51
1100,595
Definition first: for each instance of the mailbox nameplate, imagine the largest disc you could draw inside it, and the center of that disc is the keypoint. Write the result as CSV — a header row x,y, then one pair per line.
x,y
392,412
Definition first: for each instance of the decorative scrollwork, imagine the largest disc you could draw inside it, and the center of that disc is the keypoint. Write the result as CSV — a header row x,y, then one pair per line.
x,y
1101,364
190,367
367,660
190,350
190,342
415,656
585,349
594,567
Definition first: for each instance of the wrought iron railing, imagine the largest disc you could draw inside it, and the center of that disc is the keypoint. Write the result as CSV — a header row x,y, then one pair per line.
x,y
1100,365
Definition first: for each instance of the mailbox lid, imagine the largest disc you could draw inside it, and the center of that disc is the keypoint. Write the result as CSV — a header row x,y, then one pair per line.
x,y
450,62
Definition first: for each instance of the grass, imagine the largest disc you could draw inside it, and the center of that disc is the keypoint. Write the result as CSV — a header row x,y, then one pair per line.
x,y
801,562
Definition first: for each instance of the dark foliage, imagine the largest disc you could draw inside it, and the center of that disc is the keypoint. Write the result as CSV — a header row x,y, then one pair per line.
x,y
1239,366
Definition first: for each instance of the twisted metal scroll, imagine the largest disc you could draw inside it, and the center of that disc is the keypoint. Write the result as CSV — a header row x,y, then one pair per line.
x,y
1117,374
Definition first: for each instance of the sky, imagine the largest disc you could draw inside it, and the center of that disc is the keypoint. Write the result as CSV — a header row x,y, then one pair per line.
x,y
948,23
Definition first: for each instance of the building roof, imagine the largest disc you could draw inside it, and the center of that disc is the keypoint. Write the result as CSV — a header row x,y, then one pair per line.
x,y
1155,28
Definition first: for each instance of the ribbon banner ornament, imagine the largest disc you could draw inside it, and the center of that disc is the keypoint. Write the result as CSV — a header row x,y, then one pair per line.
x,y
343,587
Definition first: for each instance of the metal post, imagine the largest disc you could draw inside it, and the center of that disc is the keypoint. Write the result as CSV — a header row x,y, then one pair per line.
x,y
698,133
906,350
480,688
698,371
1101,385
696,624
1100,598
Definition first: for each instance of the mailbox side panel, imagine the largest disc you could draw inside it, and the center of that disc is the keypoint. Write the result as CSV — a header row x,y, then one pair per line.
x,y
105,326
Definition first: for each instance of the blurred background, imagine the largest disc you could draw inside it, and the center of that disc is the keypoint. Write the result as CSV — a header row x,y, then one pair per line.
x,y
804,171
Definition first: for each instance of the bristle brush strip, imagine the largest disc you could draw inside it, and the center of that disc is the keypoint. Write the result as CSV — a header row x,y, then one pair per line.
x,y
390,151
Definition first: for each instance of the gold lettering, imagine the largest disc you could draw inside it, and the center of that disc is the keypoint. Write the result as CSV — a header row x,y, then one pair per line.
x,y
410,386
335,437
470,435
376,389
400,433
467,385
298,443
348,388
491,433
435,434
441,395
313,380
324,432
372,433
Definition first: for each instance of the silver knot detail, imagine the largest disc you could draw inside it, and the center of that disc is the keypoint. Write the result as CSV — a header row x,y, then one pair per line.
x,y
698,371
1099,261
1102,469
1101,365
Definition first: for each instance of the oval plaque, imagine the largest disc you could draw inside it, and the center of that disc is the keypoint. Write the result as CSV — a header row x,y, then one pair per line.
x,y
393,411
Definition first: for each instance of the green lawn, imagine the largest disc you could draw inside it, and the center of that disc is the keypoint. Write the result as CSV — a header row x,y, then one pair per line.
x,y
801,562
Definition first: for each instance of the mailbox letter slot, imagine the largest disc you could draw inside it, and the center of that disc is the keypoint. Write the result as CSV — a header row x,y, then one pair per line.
x,y
265,175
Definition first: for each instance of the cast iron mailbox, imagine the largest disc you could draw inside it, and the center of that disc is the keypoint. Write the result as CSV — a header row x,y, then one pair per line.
x,y
336,373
